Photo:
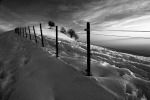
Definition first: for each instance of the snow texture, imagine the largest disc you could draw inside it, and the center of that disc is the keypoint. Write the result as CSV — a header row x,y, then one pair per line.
x,y
30,72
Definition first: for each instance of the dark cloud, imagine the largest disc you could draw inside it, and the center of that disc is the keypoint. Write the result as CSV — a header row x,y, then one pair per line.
x,y
71,13
60,11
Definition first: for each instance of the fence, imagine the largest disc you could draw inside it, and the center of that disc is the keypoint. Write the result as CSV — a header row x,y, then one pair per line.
x,y
19,32
23,32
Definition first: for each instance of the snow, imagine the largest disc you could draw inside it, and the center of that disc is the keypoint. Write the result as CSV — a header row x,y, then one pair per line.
x,y
31,72
50,33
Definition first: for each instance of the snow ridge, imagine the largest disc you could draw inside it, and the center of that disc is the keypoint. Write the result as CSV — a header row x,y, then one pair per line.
x,y
30,72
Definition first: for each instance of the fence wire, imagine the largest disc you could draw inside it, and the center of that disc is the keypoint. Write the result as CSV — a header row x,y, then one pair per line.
x,y
126,37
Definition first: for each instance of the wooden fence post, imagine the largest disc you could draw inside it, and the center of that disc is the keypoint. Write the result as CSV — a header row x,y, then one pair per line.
x,y
17,30
26,32
29,32
88,50
23,31
56,41
34,34
20,31
41,35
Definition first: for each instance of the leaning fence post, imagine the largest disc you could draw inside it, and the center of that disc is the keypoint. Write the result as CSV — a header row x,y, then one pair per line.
x,y
26,32
56,41
29,32
34,34
23,31
88,50
15,30
41,35
20,31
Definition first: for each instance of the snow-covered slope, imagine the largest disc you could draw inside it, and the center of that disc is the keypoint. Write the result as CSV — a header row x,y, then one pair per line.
x,y
30,72
47,32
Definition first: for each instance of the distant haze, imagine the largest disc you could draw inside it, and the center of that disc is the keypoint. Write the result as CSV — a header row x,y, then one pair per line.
x,y
139,46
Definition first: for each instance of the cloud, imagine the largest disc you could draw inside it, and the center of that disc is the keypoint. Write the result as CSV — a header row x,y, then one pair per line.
x,y
140,23
8,19
6,11
27,11
5,26
73,13
112,10
63,8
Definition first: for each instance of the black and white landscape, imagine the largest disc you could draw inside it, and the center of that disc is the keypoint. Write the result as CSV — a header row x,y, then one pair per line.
x,y
120,45
30,72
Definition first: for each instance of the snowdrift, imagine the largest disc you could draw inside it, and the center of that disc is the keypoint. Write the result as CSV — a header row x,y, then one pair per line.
x,y
30,72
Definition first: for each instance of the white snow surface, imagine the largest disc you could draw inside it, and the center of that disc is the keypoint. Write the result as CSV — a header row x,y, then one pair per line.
x,y
31,72
50,33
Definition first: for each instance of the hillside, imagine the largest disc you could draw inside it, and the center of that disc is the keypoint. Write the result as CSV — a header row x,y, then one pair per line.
x,y
30,72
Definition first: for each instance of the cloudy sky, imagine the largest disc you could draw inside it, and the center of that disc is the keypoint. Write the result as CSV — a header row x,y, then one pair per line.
x,y
73,13
103,15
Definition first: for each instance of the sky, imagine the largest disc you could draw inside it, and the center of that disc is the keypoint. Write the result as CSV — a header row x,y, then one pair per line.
x,y
103,15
